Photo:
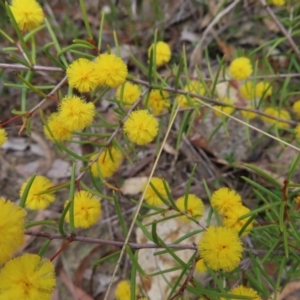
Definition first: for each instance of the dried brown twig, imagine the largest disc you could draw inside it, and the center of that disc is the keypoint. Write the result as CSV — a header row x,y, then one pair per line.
x,y
149,86
134,246
60,70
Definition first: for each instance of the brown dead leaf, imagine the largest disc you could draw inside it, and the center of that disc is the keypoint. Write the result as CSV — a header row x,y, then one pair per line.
x,y
134,185
189,36
290,288
169,149
111,116
227,50
271,25
158,287
46,162
205,21
76,292
226,89
271,268
84,264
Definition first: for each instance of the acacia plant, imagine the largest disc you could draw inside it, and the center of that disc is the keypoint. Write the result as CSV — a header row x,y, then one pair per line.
x,y
153,98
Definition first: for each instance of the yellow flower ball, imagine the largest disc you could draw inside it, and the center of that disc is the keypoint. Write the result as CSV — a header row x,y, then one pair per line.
x,y
250,90
263,89
227,109
282,114
225,199
162,53
27,13
200,266
192,206
240,68
231,219
220,248
243,291
3,136
277,2
57,130
247,90
108,162
195,87
87,210
141,127
297,129
248,115
36,197
12,219
76,113
27,277
131,92
111,70
296,108
81,75
158,101
123,290
151,197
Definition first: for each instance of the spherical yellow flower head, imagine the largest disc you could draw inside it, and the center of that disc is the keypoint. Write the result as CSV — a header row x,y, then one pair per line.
x,y
194,87
3,136
263,89
123,290
162,53
11,229
151,197
76,113
36,197
131,92
158,101
200,266
111,70
249,90
297,130
277,2
231,219
225,199
282,114
141,127
27,277
244,291
227,109
192,206
81,75
248,115
240,68
107,163
297,199
220,248
87,210
57,129
27,13
296,108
